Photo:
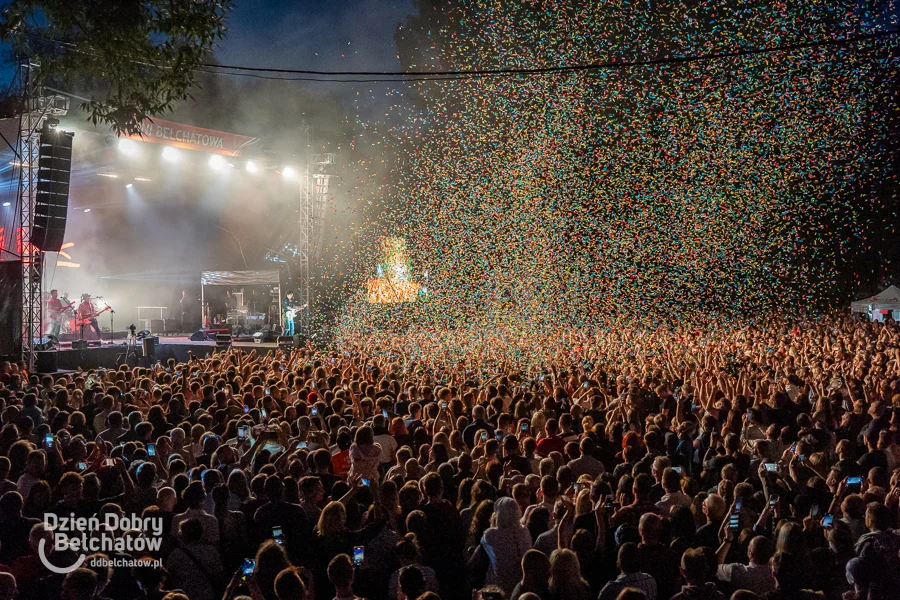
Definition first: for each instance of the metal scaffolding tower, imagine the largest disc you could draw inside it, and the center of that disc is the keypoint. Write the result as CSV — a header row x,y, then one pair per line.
x,y
35,109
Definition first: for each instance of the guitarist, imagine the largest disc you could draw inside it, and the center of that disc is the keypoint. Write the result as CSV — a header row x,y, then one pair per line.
x,y
289,312
87,316
56,310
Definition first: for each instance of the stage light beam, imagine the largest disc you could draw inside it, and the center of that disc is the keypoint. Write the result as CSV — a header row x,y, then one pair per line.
x,y
6,204
289,173
252,167
128,147
216,162
129,185
170,154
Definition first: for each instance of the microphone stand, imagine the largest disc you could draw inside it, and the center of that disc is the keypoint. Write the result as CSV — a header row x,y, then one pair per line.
x,y
112,320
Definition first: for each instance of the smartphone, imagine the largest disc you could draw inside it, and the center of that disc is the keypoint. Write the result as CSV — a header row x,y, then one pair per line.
x,y
678,470
499,435
738,503
771,467
773,500
444,405
585,385
577,488
278,535
524,427
262,413
246,409
151,449
365,482
268,391
608,503
109,462
195,373
793,447
242,432
302,445
854,484
358,555
384,413
827,521
48,440
801,458
248,568
314,412
814,511
82,466
484,436
734,522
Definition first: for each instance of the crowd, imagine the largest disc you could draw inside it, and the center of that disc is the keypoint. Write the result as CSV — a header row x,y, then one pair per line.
x,y
754,462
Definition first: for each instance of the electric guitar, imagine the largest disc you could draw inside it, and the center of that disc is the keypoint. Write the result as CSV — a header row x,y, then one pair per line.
x,y
57,313
292,312
86,319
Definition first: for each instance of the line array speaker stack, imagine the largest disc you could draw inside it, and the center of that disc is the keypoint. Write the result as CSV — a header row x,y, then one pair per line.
x,y
52,202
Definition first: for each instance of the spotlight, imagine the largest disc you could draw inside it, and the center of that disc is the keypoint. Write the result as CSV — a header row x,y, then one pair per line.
x,y
127,146
129,185
170,154
87,210
252,167
110,175
6,204
142,179
289,173
216,162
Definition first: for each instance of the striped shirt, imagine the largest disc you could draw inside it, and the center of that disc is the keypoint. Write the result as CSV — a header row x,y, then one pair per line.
x,y
641,581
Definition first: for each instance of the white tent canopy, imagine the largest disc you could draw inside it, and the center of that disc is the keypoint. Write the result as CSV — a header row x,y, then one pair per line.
x,y
888,299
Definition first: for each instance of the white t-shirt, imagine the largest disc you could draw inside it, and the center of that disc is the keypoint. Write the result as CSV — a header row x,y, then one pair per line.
x,y
388,447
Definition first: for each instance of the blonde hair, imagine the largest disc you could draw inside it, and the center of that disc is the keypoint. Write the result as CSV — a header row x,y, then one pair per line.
x,y
333,519
565,574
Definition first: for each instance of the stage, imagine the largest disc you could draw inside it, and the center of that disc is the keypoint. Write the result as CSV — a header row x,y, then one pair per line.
x,y
110,355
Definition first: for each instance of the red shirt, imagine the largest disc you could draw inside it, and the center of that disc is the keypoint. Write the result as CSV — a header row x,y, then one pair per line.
x,y
550,444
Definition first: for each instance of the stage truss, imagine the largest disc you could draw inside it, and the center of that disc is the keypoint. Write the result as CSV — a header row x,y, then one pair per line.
x,y
36,108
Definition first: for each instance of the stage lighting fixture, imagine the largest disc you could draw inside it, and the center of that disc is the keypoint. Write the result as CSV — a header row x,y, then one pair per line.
x,y
87,210
288,173
6,204
127,146
216,162
170,154
142,179
129,185
110,175
252,167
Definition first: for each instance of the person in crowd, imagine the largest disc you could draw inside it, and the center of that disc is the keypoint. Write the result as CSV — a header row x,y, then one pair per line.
x,y
368,453
630,575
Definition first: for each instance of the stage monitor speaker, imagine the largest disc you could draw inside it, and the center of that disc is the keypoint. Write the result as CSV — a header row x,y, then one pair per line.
x,y
199,336
149,345
47,361
51,205
171,326
80,345
157,325
11,309
223,340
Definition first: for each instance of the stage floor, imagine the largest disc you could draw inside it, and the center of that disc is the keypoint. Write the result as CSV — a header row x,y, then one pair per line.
x,y
110,355
181,340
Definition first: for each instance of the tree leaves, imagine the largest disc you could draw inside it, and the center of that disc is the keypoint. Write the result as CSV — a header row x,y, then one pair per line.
x,y
134,58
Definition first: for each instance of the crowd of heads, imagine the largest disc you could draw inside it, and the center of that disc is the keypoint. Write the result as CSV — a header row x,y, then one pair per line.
x,y
757,461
